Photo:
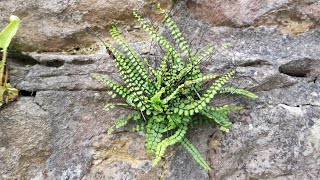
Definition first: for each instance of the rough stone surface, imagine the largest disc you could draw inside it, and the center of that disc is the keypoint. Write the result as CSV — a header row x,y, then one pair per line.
x,y
57,129
73,127
292,16
276,141
182,165
25,140
119,157
63,25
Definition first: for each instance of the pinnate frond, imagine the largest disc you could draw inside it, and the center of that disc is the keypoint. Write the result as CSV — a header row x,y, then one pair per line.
x,y
168,99
176,137
238,91
195,153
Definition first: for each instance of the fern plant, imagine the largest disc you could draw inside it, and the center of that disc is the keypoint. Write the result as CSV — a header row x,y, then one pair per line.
x,y
7,92
170,98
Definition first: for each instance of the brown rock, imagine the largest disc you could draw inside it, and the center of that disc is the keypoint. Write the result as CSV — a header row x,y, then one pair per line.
x,y
120,156
237,13
311,9
292,16
61,25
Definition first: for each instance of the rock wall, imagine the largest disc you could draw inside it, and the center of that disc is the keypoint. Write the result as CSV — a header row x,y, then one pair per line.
x,y
56,129
71,26
292,16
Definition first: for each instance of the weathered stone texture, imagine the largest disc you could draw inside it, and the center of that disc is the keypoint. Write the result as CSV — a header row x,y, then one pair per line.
x,y
64,25
292,16
58,130
25,140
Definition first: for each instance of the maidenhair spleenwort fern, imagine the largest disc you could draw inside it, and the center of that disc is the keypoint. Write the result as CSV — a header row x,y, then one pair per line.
x,y
168,100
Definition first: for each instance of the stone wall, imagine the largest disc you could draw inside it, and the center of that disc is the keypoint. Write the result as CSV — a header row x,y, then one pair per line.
x,y
71,25
56,129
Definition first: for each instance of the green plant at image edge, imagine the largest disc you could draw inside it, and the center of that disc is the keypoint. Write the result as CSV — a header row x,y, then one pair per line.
x,y
7,93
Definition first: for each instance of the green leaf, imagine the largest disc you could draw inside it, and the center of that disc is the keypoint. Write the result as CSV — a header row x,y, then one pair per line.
x,y
194,152
239,91
162,146
154,130
219,117
110,130
8,32
7,93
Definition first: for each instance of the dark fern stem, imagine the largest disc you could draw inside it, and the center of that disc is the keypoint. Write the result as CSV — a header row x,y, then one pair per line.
x,y
170,98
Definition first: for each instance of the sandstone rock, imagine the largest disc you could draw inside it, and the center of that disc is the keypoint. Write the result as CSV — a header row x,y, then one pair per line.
x,y
292,16
119,157
61,25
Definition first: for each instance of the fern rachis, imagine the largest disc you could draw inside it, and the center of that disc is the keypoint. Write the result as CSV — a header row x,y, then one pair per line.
x,y
168,100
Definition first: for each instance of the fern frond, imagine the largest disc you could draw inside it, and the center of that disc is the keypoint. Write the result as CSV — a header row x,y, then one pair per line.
x,y
220,118
154,134
176,32
199,119
129,60
109,106
239,91
198,105
176,137
177,61
131,97
215,115
169,98
200,80
219,115
186,84
153,71
132,55
130,72
119,89
199,53
192,69
173,122
195,153
204,55
225,108
122,121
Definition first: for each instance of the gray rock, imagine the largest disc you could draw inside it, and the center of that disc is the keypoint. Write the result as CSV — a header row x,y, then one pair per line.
x,y
76,118
62,72
274,142
182,165
301,68
25,140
